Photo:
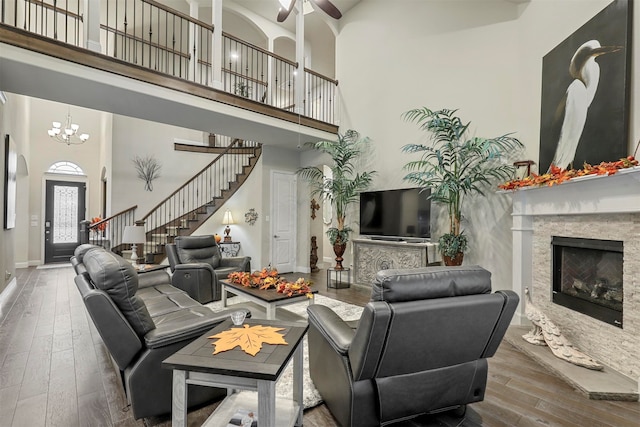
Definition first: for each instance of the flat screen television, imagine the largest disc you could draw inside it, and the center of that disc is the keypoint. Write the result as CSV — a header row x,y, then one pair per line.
x,y
395,214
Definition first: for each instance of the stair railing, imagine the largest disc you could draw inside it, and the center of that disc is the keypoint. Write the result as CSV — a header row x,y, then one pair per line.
x,y
108,232
200,192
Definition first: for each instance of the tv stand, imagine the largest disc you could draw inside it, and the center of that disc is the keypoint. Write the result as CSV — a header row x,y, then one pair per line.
x,y
372,255
387,238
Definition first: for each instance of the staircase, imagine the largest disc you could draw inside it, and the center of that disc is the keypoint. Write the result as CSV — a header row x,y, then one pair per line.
x,y
188,207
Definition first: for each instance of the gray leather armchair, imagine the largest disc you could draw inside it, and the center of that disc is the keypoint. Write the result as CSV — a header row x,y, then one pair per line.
x,y
197,265
421,345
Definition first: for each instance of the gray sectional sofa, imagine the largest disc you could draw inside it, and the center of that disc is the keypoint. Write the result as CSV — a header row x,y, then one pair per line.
x,y
142,320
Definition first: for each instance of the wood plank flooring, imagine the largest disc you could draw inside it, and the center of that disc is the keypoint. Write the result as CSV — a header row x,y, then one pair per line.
x,y
55,371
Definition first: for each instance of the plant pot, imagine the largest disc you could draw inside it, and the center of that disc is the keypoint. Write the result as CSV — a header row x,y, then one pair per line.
x,y
338,249
453,260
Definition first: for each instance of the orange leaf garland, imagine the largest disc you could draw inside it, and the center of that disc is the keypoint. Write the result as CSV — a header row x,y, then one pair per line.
x,y
268,278
557,175
249,338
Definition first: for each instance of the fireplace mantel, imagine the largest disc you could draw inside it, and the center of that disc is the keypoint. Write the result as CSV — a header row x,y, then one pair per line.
x,y
618,193
592,194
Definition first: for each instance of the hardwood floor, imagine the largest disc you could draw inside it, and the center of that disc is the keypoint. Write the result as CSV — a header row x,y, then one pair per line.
x,y
54,371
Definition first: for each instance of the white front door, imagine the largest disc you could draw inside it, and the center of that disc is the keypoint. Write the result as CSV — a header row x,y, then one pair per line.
x,y
283,224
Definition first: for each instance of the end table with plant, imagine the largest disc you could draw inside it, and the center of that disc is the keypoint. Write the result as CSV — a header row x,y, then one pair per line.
x,y
454,165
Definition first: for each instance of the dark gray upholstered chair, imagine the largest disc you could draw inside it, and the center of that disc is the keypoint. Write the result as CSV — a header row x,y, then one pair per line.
x,y
197,265
421,345
142,320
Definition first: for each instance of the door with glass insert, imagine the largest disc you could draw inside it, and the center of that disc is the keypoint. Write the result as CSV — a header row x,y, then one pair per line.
x,y
65,208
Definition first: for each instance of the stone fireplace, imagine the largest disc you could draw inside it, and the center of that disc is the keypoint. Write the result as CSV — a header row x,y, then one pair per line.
x,y
586,234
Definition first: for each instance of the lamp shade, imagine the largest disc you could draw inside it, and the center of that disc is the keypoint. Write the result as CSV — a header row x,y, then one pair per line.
x,y
133,234
227,219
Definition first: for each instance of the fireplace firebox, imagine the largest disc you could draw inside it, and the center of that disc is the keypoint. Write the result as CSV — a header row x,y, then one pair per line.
x,y
587,277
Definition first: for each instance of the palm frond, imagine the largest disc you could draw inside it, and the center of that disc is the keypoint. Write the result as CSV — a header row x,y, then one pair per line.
x,y
453,165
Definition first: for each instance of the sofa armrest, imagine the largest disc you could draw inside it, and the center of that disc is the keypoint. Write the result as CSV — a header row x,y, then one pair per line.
x,y
194,266
336,331
153,278
243,263
187,328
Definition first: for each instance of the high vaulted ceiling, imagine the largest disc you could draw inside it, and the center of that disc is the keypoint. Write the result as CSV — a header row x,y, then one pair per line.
x,y
269,9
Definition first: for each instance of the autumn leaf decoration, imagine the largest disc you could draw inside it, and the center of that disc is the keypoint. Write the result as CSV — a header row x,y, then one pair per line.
x,y
249,338
557,175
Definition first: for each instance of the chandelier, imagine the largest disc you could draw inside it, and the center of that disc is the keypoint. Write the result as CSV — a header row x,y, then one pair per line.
x,y
67,134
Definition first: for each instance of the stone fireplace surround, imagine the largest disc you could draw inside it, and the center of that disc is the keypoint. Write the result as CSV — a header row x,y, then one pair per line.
x,y
593,207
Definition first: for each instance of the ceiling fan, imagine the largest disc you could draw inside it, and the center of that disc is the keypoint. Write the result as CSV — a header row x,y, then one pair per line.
x,y
328,7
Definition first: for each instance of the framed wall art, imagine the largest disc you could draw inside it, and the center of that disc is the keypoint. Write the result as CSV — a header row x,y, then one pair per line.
x,y
585,92
10,182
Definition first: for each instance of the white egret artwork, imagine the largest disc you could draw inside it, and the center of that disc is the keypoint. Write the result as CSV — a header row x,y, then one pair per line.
x,y
585,97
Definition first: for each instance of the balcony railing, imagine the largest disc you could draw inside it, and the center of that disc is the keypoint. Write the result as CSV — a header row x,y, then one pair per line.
x,y
151,35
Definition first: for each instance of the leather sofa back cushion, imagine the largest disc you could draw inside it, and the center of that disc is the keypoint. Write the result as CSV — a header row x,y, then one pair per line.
x,y
430,282
197,249
81,250
117,277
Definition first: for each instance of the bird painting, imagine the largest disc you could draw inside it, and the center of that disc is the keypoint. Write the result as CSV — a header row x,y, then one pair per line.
x,y
572,111
545,332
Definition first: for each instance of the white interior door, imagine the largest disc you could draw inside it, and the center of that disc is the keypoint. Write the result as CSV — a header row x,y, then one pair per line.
x,y
283,223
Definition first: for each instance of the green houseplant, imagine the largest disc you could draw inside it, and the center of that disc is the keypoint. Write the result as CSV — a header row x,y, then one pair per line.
x,y
454,166
344,184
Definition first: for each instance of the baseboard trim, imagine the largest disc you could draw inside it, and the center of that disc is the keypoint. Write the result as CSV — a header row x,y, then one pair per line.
x,y
22,264
6,300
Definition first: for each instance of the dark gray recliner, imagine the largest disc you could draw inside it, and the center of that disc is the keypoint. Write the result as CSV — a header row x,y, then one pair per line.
x,y
142,320
197,265
421,345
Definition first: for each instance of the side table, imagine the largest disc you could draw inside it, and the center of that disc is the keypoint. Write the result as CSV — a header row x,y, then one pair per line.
x,y
229,249
234,369
336,277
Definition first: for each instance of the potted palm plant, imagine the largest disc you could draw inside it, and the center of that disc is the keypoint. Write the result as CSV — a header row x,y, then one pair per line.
x,y
454,166
342,187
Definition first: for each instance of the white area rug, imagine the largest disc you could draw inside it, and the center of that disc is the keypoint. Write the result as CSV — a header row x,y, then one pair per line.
x,y
283,387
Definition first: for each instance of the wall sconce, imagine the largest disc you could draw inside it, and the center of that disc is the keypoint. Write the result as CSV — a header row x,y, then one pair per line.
x,y
227,220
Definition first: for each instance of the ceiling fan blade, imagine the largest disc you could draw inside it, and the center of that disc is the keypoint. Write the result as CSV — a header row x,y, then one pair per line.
x,y
329,8
284,13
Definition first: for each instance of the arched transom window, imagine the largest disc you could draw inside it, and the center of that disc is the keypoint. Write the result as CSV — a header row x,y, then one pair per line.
x,y
66,168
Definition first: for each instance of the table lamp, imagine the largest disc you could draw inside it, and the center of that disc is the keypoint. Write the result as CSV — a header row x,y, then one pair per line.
x,y
227,220
134,234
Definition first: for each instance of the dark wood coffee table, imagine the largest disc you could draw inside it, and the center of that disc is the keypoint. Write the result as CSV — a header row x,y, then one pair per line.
x,y
268,298
234,369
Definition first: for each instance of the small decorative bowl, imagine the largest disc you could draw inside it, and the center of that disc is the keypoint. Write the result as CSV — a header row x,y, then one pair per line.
x,y
237,317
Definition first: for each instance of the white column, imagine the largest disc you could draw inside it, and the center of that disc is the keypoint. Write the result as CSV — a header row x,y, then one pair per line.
x,y
91,20
299,81
522,261
216,46
194,43
271,82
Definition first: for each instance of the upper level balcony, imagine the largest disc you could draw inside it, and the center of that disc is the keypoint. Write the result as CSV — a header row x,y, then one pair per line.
x,y
153,43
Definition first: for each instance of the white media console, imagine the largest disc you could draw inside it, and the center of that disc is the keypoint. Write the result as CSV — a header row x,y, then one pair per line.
x,y
371,256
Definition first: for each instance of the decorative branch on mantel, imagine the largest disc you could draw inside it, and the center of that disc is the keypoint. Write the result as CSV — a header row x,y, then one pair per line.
x,y
148,169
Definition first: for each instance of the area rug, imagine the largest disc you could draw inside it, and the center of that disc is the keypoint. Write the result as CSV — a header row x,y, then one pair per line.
x,y
285,383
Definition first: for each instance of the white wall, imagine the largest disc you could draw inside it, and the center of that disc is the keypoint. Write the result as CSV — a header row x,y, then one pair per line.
x,y
134,137
481,57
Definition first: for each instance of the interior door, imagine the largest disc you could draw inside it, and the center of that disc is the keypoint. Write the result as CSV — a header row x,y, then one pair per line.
x,y
283,224
64,209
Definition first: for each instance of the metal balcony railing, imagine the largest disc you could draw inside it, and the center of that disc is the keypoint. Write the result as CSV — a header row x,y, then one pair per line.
x,y
154,36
